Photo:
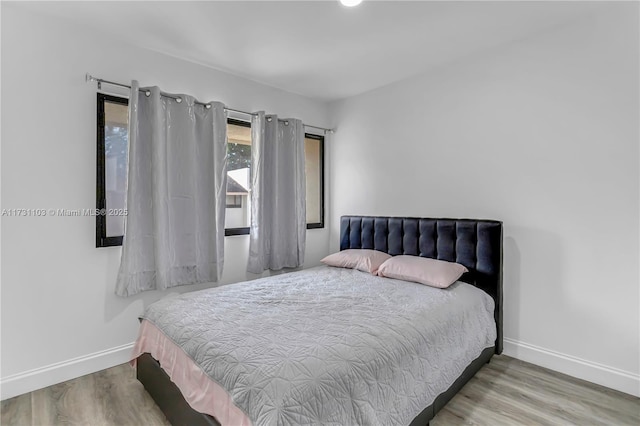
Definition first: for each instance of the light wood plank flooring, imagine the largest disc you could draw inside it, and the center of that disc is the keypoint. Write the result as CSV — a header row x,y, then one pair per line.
x,y
504,392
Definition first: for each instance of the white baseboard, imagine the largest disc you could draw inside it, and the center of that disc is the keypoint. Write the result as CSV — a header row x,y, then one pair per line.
x,y
39,378
604,375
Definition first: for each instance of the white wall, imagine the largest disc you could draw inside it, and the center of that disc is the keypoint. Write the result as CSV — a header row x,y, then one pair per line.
x,y
543,135
58,299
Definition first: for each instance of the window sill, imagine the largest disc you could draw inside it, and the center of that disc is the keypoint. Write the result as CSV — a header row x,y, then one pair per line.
x,y
230,232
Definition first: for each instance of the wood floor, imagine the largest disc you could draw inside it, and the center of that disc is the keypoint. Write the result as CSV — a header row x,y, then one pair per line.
x,y
504,392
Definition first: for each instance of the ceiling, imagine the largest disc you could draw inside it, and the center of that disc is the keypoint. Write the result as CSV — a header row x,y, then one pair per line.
x,y
321,49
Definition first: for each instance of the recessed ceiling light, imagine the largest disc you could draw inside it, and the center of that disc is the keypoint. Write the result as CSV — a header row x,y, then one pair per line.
x,y
350,3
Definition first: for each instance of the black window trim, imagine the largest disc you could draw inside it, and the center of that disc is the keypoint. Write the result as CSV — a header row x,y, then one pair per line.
x,y
318,225
101,220
245,230
101,193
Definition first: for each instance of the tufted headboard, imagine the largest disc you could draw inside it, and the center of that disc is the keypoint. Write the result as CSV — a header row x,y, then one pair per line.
x,y
476,244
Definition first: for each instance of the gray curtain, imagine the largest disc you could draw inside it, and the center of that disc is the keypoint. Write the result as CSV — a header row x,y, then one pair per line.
x,y
174,231
278,200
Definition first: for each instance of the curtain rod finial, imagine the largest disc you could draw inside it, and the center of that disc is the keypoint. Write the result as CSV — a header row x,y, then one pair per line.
x,y
88,78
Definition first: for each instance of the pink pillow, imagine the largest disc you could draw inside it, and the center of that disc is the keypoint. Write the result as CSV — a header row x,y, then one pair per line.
x,y
360,259
436,273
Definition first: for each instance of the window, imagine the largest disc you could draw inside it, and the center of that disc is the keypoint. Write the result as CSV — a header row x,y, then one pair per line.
x,y
112,173
234,201
314,168
238,214
112,169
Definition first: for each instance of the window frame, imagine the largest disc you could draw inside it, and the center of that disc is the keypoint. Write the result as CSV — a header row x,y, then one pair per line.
x,y
237,202
228,232
101,220
318,225
101,192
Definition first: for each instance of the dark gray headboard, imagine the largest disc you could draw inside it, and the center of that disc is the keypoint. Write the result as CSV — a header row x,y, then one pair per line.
x,y
476,244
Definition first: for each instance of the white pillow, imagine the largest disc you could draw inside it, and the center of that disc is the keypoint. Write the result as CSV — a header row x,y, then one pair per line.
x,y
423,270
361,259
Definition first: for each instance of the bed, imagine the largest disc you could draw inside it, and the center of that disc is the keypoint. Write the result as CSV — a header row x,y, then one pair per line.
x,y
401,377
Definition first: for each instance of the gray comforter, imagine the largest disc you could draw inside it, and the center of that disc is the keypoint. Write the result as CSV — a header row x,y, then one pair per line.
x,y
329,345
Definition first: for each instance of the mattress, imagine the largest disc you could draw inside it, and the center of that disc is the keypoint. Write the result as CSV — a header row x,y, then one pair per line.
x,y
324,346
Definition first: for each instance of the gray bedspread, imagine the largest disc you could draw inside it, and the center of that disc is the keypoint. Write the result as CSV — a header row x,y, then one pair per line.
x,y
330,346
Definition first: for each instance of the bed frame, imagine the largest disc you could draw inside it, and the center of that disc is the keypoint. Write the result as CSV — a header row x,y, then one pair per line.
x,y
476,244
